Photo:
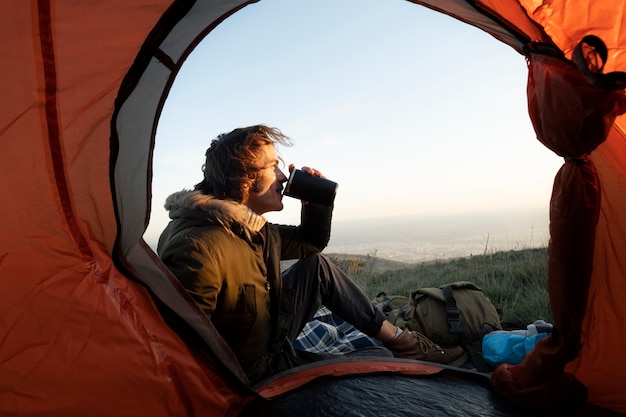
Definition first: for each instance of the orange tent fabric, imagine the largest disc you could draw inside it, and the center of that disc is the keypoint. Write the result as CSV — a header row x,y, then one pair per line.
x,y
599,365
576,112
78,336
572,118
88,313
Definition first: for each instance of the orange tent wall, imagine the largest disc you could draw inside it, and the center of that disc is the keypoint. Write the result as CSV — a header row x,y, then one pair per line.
x,y
563,23
600,364
567,22
77,336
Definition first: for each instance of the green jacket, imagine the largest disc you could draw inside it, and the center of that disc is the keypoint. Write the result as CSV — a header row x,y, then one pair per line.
x,y
228,259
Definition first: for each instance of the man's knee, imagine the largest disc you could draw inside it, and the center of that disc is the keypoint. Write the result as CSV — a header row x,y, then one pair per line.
x,y
306,269
312,261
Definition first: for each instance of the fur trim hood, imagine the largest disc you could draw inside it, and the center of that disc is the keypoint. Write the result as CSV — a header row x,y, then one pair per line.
x,y
224,212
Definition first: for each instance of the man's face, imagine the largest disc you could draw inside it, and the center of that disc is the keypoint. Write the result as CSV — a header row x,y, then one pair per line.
x,y
266,193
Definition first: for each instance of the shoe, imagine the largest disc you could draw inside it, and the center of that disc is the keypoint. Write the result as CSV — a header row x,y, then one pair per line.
x,y
414,345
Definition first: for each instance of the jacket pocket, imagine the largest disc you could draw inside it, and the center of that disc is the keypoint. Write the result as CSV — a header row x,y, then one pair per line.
x,y
245,313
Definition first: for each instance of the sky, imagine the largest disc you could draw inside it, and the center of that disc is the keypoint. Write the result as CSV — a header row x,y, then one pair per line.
x,y
410,111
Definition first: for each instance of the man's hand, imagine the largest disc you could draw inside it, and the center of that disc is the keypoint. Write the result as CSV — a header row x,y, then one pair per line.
x,y
308,170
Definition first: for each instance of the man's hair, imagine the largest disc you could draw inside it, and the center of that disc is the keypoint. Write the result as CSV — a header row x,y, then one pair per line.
x,y
229,172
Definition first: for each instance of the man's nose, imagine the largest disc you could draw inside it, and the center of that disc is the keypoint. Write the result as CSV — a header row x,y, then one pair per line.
x,y
280,176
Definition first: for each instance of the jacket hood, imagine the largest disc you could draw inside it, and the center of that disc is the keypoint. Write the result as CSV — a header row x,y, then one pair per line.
x,y
224,212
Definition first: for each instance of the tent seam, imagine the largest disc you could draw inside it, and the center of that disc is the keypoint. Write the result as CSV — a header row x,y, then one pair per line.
x,y
52,122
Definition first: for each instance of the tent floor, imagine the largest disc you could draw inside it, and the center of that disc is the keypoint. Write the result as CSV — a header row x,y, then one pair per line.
x,y
381,395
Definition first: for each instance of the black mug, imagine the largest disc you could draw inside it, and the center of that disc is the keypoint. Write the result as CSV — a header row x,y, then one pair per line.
x,y
310,188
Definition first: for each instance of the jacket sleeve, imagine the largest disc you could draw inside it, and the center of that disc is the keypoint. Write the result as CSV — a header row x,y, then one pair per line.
x,y
312,235
196,269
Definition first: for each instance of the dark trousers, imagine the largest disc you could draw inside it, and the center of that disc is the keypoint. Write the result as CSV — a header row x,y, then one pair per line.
x,y
317,281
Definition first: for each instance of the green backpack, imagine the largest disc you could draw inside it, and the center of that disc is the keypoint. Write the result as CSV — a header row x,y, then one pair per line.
x,y
455,314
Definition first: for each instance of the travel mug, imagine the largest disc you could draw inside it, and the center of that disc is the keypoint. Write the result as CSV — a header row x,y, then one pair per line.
x,y
310,188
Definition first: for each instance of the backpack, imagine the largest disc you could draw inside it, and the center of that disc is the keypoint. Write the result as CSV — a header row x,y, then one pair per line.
x,y
388,303
456,314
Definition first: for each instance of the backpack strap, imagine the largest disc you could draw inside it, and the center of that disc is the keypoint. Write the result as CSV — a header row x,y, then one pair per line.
x,y
383,303
386,305
454,323
452,310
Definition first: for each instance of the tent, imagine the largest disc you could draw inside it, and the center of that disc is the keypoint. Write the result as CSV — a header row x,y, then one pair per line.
x,y
91,323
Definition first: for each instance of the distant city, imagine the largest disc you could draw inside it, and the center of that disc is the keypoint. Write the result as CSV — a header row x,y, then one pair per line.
x,y
419,239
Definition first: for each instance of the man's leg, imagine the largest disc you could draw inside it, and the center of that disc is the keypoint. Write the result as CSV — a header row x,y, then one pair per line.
x,y
317,281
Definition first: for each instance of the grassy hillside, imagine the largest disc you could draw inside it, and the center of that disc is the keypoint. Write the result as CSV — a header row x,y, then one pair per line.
x,y
515,281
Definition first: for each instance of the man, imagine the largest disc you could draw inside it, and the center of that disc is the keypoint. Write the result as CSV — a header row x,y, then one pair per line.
x,y
227,256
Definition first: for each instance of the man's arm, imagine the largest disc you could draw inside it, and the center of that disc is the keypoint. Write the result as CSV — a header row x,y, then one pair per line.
x,y
311,236
315,224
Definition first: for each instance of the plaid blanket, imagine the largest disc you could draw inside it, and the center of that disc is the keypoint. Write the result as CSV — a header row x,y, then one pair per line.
x,y
329,333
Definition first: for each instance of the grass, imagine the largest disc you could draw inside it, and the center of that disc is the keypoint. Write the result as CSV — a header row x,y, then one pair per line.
x,y
515,281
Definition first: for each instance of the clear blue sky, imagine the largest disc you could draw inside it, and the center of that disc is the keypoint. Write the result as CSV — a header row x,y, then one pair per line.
x,y
409,110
